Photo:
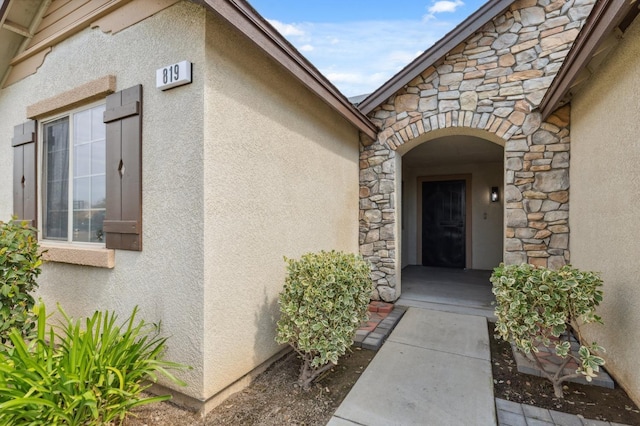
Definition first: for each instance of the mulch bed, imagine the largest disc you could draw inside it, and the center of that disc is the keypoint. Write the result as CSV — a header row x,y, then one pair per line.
x,y
591,402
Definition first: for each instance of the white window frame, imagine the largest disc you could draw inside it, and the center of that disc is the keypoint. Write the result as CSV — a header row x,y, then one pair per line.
x,y
41,179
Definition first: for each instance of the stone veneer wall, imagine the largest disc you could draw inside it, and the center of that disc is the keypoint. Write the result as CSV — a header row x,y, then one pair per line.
x,y
493,82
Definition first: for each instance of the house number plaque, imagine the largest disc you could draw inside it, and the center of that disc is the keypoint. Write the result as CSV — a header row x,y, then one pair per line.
x,y
173,75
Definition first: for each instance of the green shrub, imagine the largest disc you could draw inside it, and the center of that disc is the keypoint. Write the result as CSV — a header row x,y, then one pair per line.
x,y
538,306
74,375
19,266
324,301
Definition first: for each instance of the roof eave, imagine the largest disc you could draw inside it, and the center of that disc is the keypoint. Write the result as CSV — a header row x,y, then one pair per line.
x,y
459,34
243,17
604,17
4,6
4,67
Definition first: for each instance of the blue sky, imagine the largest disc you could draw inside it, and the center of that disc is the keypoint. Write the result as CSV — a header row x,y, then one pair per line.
x,y
359,44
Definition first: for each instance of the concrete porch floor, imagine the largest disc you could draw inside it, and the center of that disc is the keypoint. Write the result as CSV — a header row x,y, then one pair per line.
x,y
449,290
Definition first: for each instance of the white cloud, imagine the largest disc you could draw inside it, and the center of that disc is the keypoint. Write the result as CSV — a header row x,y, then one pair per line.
x,y
358,57
402,57
287,30
343,77
442,6
445,6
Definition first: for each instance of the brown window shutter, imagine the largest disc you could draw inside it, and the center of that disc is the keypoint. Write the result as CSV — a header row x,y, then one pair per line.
x,y
123,218
24,172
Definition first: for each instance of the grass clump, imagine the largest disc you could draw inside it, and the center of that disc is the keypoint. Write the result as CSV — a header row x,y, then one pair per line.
x,y
82,372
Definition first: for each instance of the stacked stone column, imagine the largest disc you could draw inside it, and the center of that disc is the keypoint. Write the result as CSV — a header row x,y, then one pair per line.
x,y
378,217
537,194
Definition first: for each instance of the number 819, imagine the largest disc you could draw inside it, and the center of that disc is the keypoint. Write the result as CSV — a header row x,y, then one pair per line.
x,y
171,74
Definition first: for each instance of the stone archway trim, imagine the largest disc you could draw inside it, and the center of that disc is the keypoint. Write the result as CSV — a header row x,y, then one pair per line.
x,y
408,129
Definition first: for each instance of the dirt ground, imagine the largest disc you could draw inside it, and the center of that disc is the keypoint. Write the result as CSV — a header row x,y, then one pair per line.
x,y
272,399
592,402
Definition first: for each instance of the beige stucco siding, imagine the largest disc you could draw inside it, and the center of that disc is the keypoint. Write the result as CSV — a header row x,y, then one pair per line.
x,y
280,179
605,183
240,168
165,278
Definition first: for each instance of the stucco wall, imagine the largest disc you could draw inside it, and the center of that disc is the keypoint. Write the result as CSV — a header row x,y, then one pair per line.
x,y
604,222
486,217
165,279
240,168
281,179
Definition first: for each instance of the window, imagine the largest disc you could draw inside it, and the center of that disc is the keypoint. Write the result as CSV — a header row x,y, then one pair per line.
x,y
73,176
88,167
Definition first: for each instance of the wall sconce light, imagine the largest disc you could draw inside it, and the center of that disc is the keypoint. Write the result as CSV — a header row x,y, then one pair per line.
x,y
495,195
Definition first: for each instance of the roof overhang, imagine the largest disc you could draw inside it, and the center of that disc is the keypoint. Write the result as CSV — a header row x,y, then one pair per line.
x,y
459,34
18,21
20,18
249,22
606,16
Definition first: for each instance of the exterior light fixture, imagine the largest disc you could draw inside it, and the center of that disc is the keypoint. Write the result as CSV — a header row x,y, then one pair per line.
x,y
495,195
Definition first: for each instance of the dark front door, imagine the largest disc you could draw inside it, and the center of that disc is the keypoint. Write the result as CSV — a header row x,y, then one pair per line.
x,y
443,223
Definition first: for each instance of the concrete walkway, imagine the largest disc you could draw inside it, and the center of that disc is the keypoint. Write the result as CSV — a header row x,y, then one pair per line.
x,y
434,369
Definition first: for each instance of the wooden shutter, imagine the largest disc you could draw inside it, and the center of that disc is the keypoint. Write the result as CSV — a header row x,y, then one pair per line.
x,y
123,219
24,172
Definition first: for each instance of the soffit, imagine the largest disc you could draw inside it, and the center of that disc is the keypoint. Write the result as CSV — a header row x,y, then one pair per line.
x,y
18,19
48,22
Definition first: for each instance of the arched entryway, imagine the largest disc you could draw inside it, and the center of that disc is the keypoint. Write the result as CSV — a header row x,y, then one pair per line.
x,y
451,232
535,189
448,217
